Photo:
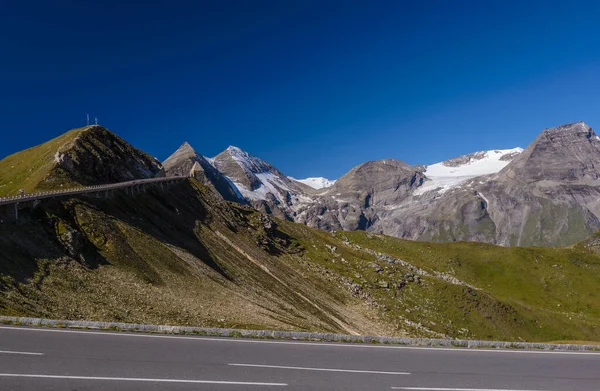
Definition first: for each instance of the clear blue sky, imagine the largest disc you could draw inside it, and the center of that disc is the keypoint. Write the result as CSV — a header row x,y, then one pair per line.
x,y
314,87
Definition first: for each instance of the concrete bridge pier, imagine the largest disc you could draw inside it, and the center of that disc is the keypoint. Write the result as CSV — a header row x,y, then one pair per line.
x,y
9,213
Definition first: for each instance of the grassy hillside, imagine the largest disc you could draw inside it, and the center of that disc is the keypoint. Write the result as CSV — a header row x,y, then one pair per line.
x,y
28,168
84,156
185,256
477,290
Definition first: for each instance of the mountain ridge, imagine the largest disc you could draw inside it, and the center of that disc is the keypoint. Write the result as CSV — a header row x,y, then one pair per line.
x,y
183,255
469,197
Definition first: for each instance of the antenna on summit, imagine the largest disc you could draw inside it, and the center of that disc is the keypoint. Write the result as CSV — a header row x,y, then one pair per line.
x,y
87,118
95,120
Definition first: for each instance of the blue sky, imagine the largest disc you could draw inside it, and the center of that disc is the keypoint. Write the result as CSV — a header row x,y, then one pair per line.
x,y
313,87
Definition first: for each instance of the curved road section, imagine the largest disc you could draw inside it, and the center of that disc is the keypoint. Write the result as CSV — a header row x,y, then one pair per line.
x,y
55,359
9,206
83,190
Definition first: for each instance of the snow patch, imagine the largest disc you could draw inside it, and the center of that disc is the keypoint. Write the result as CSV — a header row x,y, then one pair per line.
x,y
315,182
443,177
234,186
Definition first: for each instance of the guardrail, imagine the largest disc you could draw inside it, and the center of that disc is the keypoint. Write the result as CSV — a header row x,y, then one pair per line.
x,y
83,190
302,336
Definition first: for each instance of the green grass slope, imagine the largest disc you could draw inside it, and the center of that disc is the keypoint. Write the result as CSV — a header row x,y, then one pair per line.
x,y
28,168
84,156
180,257
184,256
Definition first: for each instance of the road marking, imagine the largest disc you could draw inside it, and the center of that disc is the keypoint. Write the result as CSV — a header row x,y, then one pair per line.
x,y
455,389
320,369
24,353
283,342
136,379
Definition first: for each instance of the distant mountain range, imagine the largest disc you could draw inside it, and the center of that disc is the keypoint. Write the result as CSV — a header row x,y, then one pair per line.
x,y
544,195
194,252
547,194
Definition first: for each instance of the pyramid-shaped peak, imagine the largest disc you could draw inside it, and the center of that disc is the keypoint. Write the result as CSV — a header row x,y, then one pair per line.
x,y
233,148
186,147
572,127
238,152
183,153
242,157
569,152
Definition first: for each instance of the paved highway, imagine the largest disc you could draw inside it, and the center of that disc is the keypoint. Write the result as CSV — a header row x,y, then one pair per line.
x,y
55,359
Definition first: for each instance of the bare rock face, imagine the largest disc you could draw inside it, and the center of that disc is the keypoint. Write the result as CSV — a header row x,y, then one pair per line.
x,y
358,198
261,184
547,195
98,156
185,161
568,153
461,160
380,182
241,167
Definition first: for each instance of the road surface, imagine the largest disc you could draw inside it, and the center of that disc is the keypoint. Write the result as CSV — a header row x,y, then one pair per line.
x,y
73,360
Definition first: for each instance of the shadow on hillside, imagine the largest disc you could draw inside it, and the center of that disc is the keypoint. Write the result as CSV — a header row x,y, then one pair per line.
x,y
170,216
26,244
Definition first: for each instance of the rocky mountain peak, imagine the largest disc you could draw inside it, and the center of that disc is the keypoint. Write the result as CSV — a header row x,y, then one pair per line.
x,y
568,152
185,161
247,162
387,180
186,150
186,147
97,155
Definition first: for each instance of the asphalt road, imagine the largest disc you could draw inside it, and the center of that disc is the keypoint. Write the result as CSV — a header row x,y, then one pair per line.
x,y
67,360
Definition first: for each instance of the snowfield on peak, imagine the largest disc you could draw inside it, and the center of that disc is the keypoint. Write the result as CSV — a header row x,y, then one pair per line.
x,y
315,182
451,173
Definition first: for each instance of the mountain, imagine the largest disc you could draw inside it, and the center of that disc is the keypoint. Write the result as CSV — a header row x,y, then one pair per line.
x,y
352,202
261,184
453,172
85,156
566,154
316,183
182,255
185,161
195,259
547,194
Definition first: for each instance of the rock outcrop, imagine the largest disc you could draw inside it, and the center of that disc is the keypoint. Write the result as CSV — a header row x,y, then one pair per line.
x,y
185,161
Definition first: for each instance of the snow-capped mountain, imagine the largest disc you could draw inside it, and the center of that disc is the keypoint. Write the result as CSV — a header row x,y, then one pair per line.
x,y
546,194
453,172
186,161
260,183
315,182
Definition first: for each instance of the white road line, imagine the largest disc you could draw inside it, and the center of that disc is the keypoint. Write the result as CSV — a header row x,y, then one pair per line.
x,y
283,342
455,389
24,353
135,379
319,369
